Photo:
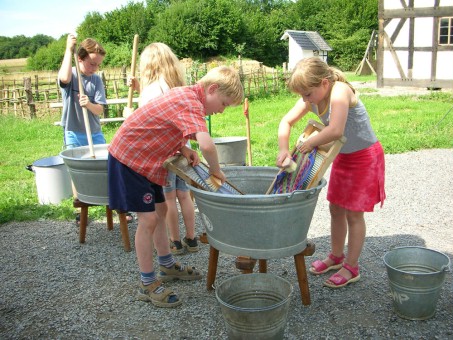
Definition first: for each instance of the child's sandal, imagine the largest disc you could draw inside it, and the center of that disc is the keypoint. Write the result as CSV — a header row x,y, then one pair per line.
x,y
178,272
338,281
158,295
320,267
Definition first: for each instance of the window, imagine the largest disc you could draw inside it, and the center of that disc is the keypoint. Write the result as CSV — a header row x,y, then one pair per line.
x,y
446,31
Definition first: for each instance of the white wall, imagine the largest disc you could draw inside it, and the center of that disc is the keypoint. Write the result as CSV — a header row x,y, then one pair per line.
x,y
423,33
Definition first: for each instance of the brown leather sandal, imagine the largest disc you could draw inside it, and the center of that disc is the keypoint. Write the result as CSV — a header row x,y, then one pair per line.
x,y
158,295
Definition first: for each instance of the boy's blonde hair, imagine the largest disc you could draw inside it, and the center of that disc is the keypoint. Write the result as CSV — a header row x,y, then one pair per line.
x,y
88,46
228,80
158,60
309,73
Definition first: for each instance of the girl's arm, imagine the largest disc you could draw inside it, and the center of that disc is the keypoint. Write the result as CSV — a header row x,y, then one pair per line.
x,y
299,110
340,99
65,72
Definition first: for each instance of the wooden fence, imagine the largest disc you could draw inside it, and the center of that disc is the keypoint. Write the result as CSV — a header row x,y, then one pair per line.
x,y
38,96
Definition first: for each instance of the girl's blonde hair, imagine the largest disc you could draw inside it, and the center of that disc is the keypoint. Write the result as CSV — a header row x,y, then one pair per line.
x,y
309,73
228,80
158,60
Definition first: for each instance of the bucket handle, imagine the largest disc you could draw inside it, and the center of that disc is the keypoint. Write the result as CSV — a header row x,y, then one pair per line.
x,y
445,268
309,193
29,168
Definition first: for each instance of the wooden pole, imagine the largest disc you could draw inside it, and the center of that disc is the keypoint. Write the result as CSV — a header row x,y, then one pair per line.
x,y
247,123
84,109
128,109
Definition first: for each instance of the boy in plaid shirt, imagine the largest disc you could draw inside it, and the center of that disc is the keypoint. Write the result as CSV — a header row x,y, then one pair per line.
x,y
153,133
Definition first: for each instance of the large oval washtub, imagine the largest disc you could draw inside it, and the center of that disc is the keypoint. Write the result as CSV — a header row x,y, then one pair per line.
x,y
254,224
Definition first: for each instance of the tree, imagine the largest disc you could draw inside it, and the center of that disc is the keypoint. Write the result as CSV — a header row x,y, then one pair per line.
x,y
199,29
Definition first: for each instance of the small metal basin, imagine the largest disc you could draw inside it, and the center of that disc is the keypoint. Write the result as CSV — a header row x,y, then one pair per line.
x,y
88,174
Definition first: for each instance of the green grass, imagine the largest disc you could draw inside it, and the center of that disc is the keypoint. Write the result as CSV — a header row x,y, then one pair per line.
x,y
401,123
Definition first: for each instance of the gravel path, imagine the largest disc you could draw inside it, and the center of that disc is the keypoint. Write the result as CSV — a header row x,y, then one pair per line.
x,y
53,287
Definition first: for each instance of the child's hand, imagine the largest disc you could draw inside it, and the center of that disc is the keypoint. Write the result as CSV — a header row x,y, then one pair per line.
x,y
282,156
83,100
191,156
219,174
306,147
71,42
133,82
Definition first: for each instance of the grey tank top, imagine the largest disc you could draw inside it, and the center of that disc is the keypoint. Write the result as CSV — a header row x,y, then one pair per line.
x,y
358,130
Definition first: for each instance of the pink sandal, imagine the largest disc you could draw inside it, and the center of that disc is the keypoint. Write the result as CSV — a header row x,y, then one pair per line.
x,y
338,281
319,267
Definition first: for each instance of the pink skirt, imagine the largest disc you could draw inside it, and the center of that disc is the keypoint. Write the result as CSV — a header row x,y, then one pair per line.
x,y
357,179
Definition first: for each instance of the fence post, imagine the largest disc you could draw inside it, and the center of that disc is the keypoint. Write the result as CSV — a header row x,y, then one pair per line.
x,y
29,94
36,87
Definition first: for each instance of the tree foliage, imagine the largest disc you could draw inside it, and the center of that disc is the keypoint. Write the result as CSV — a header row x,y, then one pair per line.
x,y
22,47
201,29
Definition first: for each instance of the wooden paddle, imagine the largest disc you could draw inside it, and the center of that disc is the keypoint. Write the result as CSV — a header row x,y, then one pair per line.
x,y
84,109
128,109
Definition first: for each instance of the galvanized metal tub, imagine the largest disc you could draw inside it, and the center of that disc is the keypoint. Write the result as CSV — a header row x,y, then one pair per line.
x,y
231,150
257,225
255,305
416,276
88,174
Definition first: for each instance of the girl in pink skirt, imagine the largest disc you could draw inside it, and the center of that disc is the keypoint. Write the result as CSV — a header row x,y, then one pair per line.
x,y
357,176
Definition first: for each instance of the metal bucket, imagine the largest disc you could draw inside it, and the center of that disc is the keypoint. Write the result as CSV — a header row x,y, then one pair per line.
x,y
416,276
231,150
255,306
53,183
257,225
89,175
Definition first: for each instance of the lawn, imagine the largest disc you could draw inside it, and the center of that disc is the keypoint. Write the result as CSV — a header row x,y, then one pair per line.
x,y
401,123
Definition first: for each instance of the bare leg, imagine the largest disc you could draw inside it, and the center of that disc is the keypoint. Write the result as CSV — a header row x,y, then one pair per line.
x,y
356,239
188,212
172,218
147,222
160,234
338,232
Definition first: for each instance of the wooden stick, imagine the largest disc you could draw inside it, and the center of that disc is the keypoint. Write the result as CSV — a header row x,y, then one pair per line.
x,y
247,122
84,109
128,109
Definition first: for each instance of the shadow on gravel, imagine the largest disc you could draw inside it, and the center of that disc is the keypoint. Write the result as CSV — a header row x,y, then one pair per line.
x,y
54,287
365,309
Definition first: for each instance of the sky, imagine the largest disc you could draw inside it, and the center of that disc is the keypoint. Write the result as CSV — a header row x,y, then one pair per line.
x,y
50,17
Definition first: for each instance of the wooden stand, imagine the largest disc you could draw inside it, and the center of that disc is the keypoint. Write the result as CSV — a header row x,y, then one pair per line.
x,y
247,267
84,221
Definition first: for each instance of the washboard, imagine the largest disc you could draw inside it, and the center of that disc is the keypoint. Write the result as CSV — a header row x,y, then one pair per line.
x,y
311,167
197,176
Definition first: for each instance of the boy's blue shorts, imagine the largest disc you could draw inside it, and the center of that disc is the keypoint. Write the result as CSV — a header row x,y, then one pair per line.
x,y
75,139
130,191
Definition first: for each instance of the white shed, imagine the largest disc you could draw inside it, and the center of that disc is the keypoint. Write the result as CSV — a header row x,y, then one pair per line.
x,y
415,43
304,44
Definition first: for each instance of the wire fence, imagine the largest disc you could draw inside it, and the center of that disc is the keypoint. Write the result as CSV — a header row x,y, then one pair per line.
x,y
34,96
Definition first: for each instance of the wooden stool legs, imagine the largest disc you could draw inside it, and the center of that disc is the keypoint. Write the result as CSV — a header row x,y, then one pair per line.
x,y
124,231
301,271
212,267
84,221
299,260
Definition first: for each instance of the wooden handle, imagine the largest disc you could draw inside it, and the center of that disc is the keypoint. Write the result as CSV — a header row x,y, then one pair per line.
x,y
247,124
133,63
84,109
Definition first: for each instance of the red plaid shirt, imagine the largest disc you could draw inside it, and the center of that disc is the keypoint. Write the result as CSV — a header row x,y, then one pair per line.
x,y
157,130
